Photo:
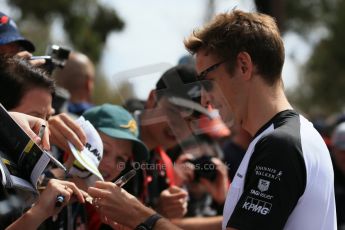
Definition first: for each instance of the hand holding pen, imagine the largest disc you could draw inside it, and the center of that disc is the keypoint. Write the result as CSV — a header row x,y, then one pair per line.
x,y
42,137
119,182
46,203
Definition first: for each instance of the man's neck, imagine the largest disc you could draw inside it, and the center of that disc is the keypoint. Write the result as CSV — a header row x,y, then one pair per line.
x,y
263,105
79,98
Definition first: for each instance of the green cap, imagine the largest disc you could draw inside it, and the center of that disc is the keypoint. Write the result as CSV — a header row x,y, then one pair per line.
x,y
117,122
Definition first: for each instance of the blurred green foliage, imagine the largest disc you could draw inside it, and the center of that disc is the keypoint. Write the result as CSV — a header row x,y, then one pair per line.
x,y
299,16
322,80
86,22
323,76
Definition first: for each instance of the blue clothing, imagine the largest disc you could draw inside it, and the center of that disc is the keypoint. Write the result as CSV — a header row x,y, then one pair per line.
x,y
78,108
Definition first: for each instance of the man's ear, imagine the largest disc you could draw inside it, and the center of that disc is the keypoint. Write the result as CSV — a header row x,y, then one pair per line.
x,y
89,84
151,100
245,64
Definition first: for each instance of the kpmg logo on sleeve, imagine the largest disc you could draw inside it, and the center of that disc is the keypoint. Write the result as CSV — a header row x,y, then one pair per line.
x,y
257,206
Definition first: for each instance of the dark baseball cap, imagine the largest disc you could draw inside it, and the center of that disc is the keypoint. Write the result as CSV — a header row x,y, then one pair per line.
x,y
9,33
180,81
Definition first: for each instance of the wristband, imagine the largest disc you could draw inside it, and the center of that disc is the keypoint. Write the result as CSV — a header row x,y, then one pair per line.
x,y
149,223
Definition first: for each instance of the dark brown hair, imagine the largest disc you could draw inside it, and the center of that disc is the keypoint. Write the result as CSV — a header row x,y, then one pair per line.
x,y
17,76
233,32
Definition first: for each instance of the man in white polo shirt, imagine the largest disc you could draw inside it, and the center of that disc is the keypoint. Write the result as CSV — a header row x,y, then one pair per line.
x,y
285,180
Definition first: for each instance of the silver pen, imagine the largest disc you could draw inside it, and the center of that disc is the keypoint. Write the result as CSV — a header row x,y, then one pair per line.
x,y
125,178
41,132
119,182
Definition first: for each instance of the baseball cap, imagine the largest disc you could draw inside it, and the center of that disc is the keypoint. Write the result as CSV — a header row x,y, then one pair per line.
x,y
9,33
117,122
180,81
338,136
87,161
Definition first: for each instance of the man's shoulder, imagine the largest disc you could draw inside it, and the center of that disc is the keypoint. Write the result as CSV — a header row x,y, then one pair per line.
x,y
285,129
280,149
280,141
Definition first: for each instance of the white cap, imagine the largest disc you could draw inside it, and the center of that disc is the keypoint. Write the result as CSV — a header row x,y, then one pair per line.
x,y
87,161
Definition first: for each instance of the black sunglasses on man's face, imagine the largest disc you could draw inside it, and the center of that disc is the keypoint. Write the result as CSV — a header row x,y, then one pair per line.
x,y
206,83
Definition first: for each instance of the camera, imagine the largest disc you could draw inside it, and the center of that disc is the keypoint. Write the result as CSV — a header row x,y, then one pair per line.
x,y
56,56
204,168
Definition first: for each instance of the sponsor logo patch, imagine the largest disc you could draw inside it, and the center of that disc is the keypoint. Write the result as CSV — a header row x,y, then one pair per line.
x,y
263,185
261,194
268,172
257,206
